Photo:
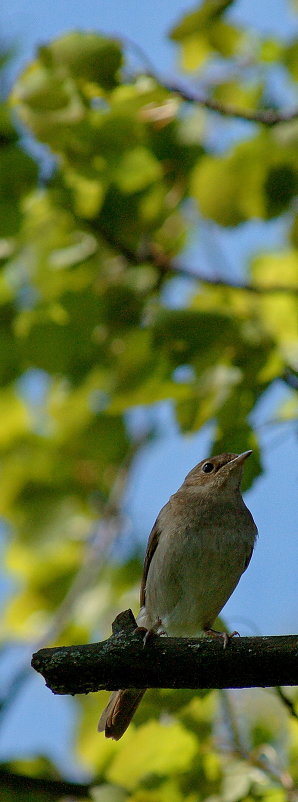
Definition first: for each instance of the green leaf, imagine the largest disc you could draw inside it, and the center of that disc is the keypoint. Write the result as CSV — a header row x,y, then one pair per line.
x,y
290,58
207,397
16,417
162,750
19,172
184,336
87,56
238,94
215,186
225,39
280,187
137,170
108,793
254,179
208,11
280,311
203,34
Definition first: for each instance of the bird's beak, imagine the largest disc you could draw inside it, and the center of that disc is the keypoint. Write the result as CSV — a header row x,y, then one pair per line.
x,y
240,458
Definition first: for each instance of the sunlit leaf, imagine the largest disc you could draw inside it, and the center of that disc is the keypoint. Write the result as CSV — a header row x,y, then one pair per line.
x,y
161,749
255,179
290,58
280,311
137,170
88,56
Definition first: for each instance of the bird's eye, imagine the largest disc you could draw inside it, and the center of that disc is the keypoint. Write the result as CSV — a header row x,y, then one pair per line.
x,y
208,467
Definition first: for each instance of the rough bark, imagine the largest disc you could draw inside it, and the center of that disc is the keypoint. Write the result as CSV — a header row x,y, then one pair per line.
x,y
122,661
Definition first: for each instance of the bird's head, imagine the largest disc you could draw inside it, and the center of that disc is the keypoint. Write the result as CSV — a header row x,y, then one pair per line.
x,y
223,472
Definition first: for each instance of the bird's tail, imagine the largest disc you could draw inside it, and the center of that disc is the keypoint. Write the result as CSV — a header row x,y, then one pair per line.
x,y
119,711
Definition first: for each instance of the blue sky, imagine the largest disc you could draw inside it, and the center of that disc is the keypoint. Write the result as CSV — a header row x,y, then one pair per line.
x,y
266,599
29,24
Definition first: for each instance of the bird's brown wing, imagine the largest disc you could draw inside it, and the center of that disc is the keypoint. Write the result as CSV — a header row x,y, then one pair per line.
x,y
151,548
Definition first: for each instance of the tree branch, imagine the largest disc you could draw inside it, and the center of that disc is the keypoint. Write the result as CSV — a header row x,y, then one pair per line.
x,y
122,661
286,701
43,786
268,117
255,289
168,268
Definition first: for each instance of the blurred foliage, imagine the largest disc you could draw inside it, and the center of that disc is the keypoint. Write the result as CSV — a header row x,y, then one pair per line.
x,y
88,264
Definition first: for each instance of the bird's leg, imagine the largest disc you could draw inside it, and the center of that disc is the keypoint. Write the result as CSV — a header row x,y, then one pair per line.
x,y
154,630
226,636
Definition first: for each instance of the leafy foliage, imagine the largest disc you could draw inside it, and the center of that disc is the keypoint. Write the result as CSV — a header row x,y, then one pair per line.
x,y
88,263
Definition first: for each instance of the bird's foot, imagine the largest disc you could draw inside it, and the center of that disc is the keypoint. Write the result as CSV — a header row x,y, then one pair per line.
x,y
226,636
149,633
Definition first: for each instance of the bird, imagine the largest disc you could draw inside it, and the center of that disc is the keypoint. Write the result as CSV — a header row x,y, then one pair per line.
x,y
199,546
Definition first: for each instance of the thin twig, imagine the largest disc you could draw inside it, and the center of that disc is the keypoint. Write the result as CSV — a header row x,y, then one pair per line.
x,y
256,289
287,702
255,757
290,378
268,117
168,267
232,723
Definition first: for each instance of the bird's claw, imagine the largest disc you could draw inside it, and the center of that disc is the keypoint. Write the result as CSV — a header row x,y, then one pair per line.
x,y
226,636
149,633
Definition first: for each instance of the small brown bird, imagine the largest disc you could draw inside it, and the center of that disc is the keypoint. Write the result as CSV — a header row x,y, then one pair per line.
x,y
199,546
